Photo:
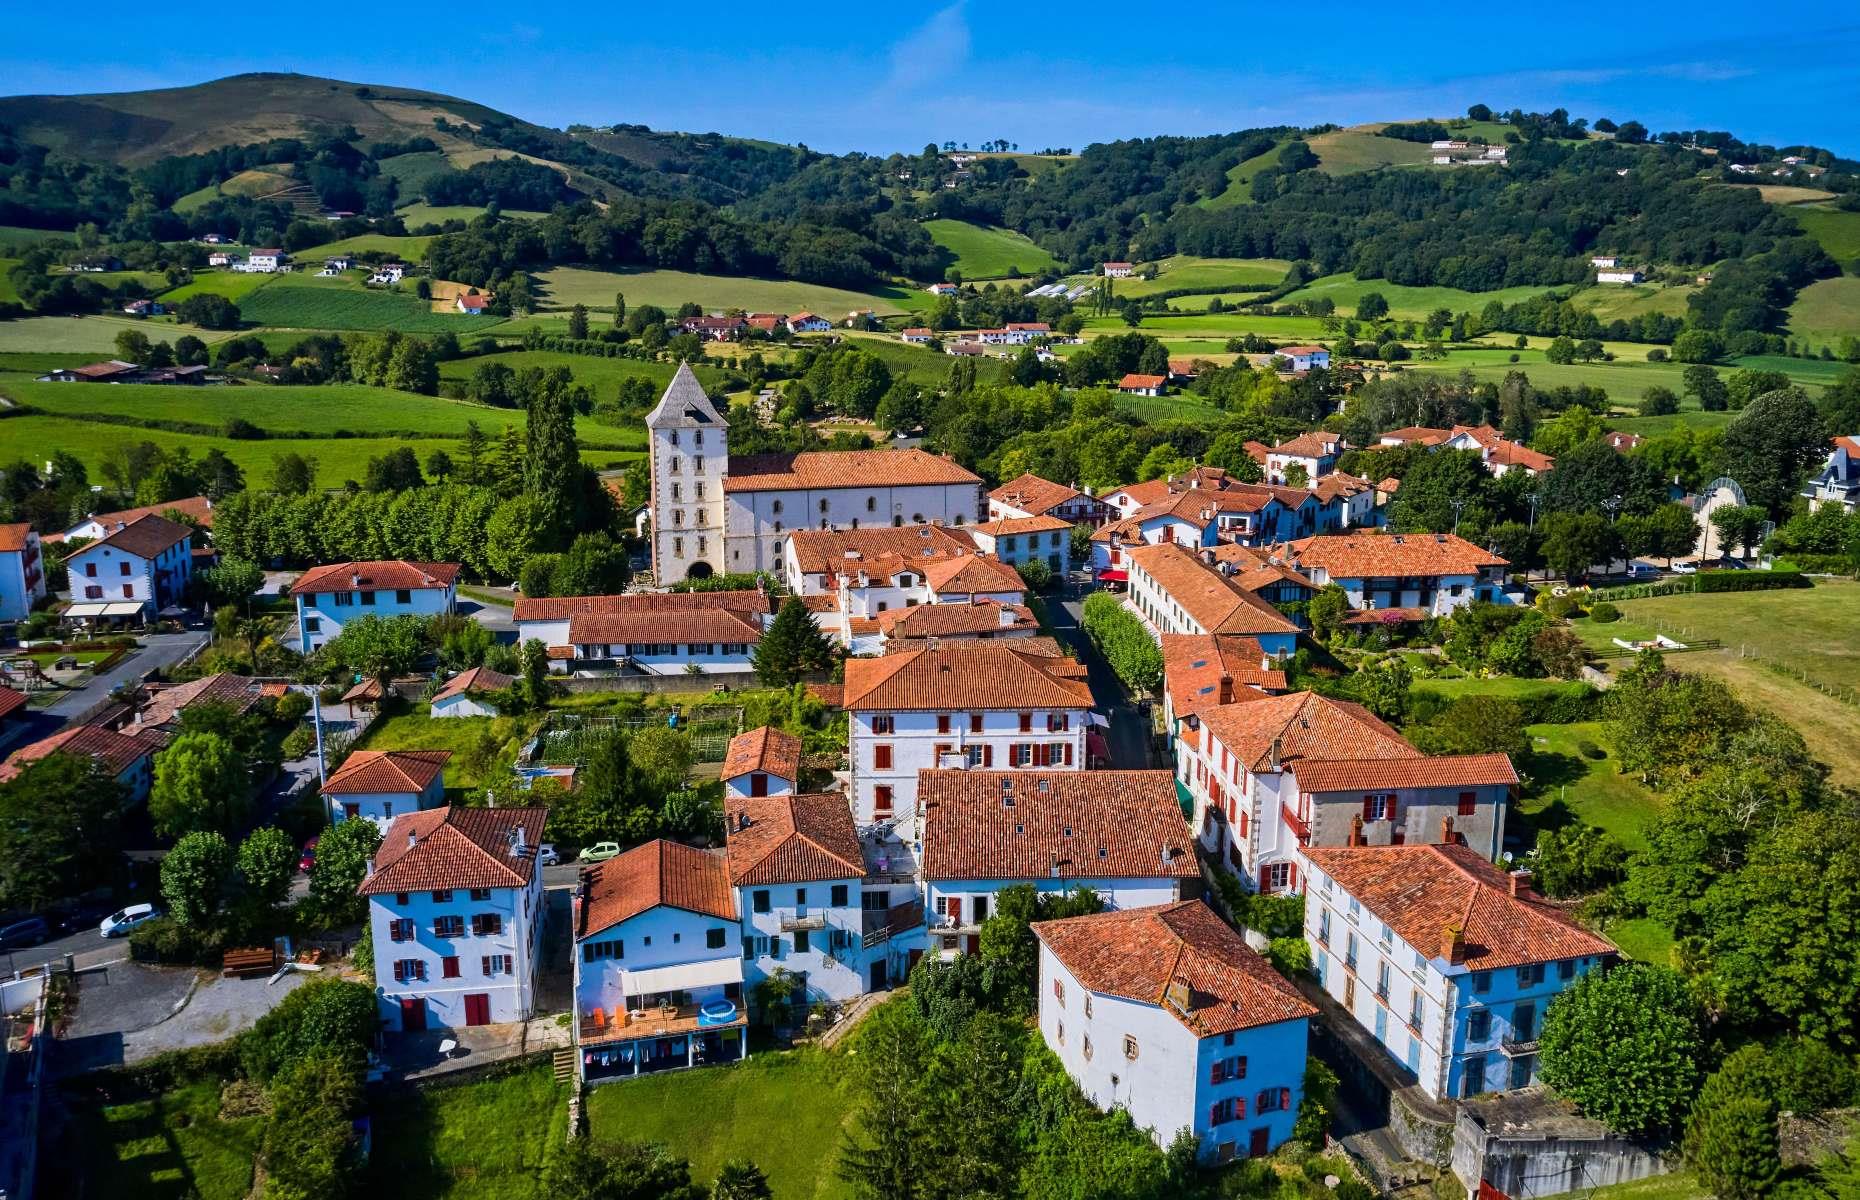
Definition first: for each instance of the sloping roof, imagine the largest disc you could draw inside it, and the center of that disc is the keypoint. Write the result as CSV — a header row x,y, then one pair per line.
x,y
821,469
1255,568
766,749
11,701
657,873
1194,664
221,688
1134,380
1039,523
1303,725
144,537
115,751
972,573
1064,824
198,507
673,627
1206,595
825,551
1137,953
1378,774
457,847
978,616
556,608
1513,454
791,839
1420,890
1311,444
1382,555
13,537
1425,435
1339,485
478,679
375,575
395,772
966,675
1031,494
684,402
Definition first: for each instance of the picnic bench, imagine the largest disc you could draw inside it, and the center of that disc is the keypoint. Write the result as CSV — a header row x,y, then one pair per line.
x,y
249,964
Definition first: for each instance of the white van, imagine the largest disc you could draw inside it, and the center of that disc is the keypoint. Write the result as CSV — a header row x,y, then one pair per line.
x,y
121,922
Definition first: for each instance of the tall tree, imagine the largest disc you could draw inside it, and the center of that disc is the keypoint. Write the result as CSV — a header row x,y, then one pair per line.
x,y
194,875
1771,446
60,827
200,784
552,461
1624,1045
792,646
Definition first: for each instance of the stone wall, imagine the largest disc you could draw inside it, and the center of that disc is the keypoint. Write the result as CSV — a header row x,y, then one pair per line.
x,y
1529,1144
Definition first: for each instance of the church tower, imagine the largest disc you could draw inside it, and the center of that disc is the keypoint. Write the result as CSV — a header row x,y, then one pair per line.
x,y
688,448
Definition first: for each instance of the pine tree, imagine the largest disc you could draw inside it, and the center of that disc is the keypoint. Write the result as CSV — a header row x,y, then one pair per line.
x,y
578,322
1732,1144
792,647
552,466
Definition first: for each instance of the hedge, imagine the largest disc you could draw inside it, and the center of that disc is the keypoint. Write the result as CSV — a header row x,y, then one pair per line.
x,y
1751,581
1126,644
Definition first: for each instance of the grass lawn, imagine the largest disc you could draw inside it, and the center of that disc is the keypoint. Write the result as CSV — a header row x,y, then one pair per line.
x,y
323,409
234,285
486,1140
603,375
90,335
409,248
1645,939
1827,310
1178,407
1360,149
1506,687
309,302
8,293
917,364
1216,325
173,1147
1837,231
1680,1185
416,215
1623,303
1184,271
1405,302
1239,188
29,363
783,1110
985,253
565,287
413,729
14,236
1563,784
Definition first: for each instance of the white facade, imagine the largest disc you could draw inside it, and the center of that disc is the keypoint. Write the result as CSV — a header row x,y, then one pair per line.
x,y
1618,275
465,704
486,955
106,573
383,807
954,909
812,930
756,521
1051,546
888,749
321,615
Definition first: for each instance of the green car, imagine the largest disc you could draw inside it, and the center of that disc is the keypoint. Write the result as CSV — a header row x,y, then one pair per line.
x,y
599,852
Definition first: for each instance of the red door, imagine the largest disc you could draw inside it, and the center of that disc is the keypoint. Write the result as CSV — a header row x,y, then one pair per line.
x,y
478,1009
971,943
413,1014
1257,1147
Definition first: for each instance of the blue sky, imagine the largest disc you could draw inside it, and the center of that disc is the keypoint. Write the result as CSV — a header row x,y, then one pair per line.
x,y
846,76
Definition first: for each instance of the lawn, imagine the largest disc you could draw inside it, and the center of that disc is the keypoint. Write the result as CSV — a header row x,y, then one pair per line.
x,y
90,335
1239,188
1680,1185
172,1147
985,253
783,1110
1836,230
1505,687
1827,310
413,729
919,365
485,1140
1177,407
416,215
1405,302
565,287
320,410
1360,149
1186,271
8,293
234,285
308,302
1610,303
410,248
1217,325
603,375
411,171
1564,784
14,236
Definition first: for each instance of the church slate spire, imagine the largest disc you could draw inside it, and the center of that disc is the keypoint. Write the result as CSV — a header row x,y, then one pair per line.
x,y
684,403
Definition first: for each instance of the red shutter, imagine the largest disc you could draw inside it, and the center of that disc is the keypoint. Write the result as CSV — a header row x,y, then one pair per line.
x,y
1240,1104
1392,804
1285,1098
1265,879
1240,1072
1291,877
1214,1075
1369,808
988,755
1068,754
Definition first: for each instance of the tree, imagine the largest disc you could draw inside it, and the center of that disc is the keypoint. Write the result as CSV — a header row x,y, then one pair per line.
x,y
1731,1138
1697,346
1561,351
200,784
792,647
324,1016
578,322
376,647
589,1170
1297,476
1036,574
267,862
1772,445
1624,1046
740,1179
1672,530
662,756
1478,725
293,474
132,345
209,311
60,828
194,875
1737,525
1327,609
342,854
536,687
552,462
230,581
395,471
1372,306
1659,401
1573,542
1124,642
309,1149
1706,386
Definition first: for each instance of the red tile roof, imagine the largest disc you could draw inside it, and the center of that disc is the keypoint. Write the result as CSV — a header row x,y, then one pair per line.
x,y
478,679
1195,664
11,701
1302,725
222,688
457,847
117,752
657,873
375,575
1207,596
1138,953
1384,555
886,548
1312,444
767,749
972,573
1134,380
791,839
555,608
1423,434
144,537
675,627
395,772
965,675
1029,493
1422,890
13,537
1063,824
1039,523
978,616
1435,771
821,469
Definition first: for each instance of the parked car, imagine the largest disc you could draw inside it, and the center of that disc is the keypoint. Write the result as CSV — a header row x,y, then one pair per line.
x,y
546,855
27,931
599,852
307,859
1680,568
123,920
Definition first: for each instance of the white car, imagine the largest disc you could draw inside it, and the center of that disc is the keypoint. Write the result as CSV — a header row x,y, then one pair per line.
x,y
123,920
546,855
1680,568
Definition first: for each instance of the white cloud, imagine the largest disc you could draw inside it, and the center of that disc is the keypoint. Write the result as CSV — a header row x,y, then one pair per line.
x,y
930,53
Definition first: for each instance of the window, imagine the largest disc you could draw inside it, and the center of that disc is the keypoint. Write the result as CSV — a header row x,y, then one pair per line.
x,y
838,895
1524,1023
1058,722
1223,1069
882,724
1379,807
1060,1027
402,899
1026,722
401,930
1324,927
90,570
1273,1100
975,722
487,924
759,901
481,893
1522,1068
823,506
713,938
1231,1108
1349,951
1478,1025
1469,803
1382,979
871,504
1130,1047
1472,1081
595,951
1481,982
776,509
1530,975
1059,991
124,568
802,941
1414,1011
367,599
1087,1045
881,802
449,967
448,927
129,591
881,758
942,722
408,970
1566,969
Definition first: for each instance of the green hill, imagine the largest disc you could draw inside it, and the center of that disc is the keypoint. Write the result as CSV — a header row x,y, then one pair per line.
x,y
984,253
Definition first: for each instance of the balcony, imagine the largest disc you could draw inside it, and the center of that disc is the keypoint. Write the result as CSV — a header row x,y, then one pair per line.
x,y
670,1020
1295,823
801,918
1517,1047
881,925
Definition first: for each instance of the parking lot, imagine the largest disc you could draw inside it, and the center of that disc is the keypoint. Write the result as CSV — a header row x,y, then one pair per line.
x,y
127,1012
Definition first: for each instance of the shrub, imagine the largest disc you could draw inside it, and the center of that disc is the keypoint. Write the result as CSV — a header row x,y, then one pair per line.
x,y
1036,574
165,940
1590,750
1750,581
1120,636
298,743
1604,613
322,1015
1562,607
290,708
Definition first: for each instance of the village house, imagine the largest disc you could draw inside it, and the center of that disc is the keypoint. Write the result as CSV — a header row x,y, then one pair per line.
x,y
455,911
1354,498
1604,260
1135,384
714,329
472,304
1301,360
144,308
22,571
197,509
981,619
806,322
224,258
1206,516
379,785
1419,435
1500,454
1619,275
1119,270
265,262
658,964
917,335
128,758
1015,540
137,569
766,322
1428,574
1316,452
1622,441
648,633
966,349
468,694
1448,961
388,273
813,560
1838,481
943,289
1173,590
1201,670
1011,704
330,596
763,761
1029,495
1118,833
160,706
1166,1013
338,263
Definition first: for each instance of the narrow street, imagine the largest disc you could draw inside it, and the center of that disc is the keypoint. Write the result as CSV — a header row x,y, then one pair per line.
x,y
1128,736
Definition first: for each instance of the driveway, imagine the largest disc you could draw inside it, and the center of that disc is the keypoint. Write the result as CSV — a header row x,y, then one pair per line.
x,y
158,651
128,1012
1128,736
498,618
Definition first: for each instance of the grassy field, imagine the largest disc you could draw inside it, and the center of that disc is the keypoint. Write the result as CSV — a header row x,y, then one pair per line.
x,y
1343,151
1837,231
411,171
1505,687
259,181
601,375
13,237
1564,784
1219,326
307,302
1786,193
486,1140
1622,303
408,249
414,729
234,285
984,253
1184,271
919,365
564,287
1239,188
95,335
1177,407
416,215
783,1110
1826,311
173,1147
319,410
1405,302
8,293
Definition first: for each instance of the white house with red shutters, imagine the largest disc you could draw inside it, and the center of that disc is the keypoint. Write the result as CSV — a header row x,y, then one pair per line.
x,y
382,785
330,596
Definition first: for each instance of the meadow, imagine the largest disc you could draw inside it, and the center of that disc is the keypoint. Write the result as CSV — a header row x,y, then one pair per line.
x,y
92,335
1343,151
1404,302
1240,179
1836,230
488,1139
340,409
1826,311
564,287
1611,303
416,215
234,285
309,302
1219,326
411,171
13,237
1187,271
410,248
985,253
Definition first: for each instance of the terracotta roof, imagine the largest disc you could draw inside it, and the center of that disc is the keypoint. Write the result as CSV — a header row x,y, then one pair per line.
x,y
825,551
1302,725
1375,774
972,573
368,691
1029,493
1206,595
394,772
968,675
1383,555
478,679
1257,451
1339,485
222,688
1062,824
1421,890
1194,664
376,575
1423,434
13,537
1254,568
791,839
1138,953
1512,454
657,873
1312,444
115,751
674,627
1847,442
820,469
1390,486
1302,350
555,608
764,748
198,507
144,537
1134,380
978,616
457,847
11,701
1039,523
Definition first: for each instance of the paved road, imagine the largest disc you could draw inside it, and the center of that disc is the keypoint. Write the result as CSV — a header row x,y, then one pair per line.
x,y
498,618
158,650
1128,736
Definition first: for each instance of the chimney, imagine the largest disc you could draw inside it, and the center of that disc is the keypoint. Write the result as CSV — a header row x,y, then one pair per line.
x,y
1453,944
518,843
1227,689
413,839
1054,869
1447,837
1207,556
1356,830
355,580
1520,884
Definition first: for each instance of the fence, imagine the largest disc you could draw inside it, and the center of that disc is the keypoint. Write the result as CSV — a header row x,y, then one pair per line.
x,y
1747,651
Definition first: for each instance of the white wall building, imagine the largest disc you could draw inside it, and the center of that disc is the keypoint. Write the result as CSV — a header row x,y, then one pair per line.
x,y
22,571
1174,591
455,909
380,785
1029,495
1015,540
468,694
330,596
764,761
1431,574
146,562
650,632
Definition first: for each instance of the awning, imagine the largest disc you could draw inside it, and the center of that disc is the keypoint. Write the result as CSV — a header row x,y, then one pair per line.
x,y
1114,575
105,608
1096,746
682,977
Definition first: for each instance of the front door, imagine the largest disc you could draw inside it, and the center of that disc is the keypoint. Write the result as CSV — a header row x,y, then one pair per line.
x,y
478,1009
972,943
413,1014
1256,1145
911,962
881,980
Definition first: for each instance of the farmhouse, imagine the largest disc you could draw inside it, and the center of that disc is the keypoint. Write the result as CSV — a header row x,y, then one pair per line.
x,y
224,258
22,571
472,304
1119,270
468,694
265,262
1603,260
1619,275
714,329
388,273
806,322
380,785
1433,573
943,289
1302,359
161,705
1166,1013
917,335
137,569
330,596
1135,384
